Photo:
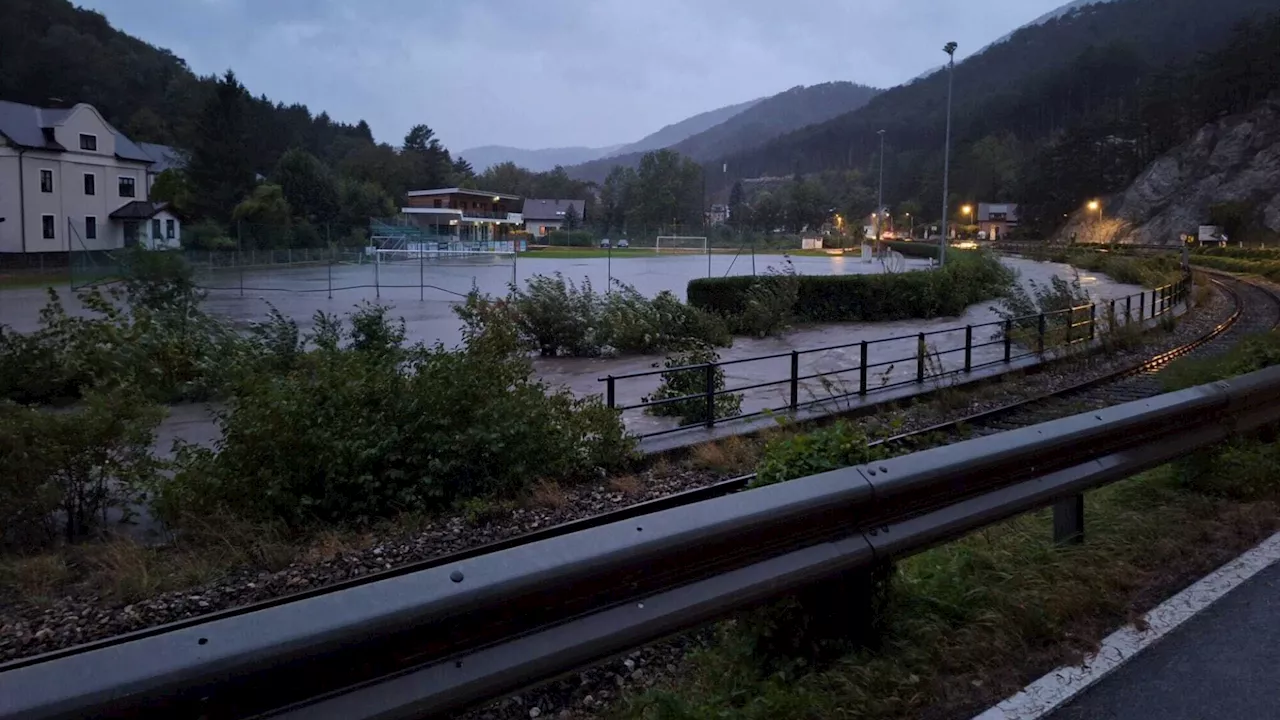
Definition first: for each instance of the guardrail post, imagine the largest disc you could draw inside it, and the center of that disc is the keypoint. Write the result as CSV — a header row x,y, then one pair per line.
x,y
795,380
1111,317
1040,340
1093,321
968,348
1068,521
1128,309
1008,340
711,394
862,369
609,393
920,353
1142,305
1071,321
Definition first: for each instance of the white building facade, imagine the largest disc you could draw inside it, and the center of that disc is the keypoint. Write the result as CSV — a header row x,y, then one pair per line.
x,y
71,182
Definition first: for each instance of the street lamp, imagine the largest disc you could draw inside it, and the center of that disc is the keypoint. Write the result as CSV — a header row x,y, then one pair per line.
x,y
880,198
1096,206
912,232
950,50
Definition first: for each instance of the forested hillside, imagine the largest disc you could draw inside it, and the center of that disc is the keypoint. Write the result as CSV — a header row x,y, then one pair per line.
x,y
763,120
1062,112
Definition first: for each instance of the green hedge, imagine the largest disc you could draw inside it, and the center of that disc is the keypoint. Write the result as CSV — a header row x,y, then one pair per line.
x,y
968,277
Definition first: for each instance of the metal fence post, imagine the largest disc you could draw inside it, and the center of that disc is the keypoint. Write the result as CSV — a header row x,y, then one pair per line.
x,y
1008,340
610,392
1142,306
920,353
1111,316
711,394
862,369
1071,320
1093,321
795,380
329,265
377,282
1068,520
1040,341
1128,309
968,348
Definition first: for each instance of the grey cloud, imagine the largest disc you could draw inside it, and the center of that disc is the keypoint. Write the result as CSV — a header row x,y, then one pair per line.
x,y
555,72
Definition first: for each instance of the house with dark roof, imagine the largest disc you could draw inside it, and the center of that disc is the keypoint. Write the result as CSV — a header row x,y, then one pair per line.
x,y
69,181
543,216
163,157
995,220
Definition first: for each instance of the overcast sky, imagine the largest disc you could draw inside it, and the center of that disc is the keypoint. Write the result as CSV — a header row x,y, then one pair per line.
x,y
549,73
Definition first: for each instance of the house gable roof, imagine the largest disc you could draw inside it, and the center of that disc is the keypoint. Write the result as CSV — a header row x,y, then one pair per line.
x,y
163,157
138,210
30,127
540,209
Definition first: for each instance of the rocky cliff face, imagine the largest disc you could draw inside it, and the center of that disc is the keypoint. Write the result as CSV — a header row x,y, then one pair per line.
x,y
1234,160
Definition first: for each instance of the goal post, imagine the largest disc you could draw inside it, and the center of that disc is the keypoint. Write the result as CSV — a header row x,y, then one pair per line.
x,y
687,244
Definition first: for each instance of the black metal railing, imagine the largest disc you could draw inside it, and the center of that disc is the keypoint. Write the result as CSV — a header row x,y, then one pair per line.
x,y
1016,339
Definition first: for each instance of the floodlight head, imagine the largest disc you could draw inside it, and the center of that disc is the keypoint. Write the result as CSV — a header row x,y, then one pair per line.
x,y
950,49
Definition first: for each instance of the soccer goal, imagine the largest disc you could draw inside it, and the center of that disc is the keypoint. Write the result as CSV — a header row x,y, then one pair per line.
x,y
686,244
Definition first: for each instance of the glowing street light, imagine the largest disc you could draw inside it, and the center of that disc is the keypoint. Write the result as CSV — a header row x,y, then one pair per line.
x,y
967,210
950,50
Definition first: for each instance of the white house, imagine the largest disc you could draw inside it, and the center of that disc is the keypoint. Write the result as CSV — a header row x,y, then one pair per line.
x,y
69,181
544,216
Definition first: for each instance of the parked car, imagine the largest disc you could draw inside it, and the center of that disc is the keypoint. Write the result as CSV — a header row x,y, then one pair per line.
x,y
604,243
623,243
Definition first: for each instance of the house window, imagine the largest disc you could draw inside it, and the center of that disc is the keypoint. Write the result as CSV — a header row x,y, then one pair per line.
x,y
90,184
88,142
155,229
46,181
435,203
47,228
168,229
90,228
126,187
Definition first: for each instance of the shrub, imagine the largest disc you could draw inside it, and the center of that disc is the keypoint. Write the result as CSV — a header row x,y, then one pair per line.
x,y
770,302
829,448
147,332
63,470
571,238
557,317
632,323
365,428
693,382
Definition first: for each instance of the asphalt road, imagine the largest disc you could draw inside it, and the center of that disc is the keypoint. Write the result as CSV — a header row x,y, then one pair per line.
x,y
1223,663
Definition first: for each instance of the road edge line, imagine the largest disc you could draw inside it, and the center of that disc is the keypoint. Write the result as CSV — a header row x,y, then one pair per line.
x,y
1059,686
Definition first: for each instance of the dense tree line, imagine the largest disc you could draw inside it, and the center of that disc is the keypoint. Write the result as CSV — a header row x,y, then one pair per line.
x,y
1060,113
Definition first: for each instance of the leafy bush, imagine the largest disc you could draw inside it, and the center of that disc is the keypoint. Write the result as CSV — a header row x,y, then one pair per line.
x,y
147,332
63,470
968,277
557,317
770,302
632,323
365,428
829,448
693,382
1149,272
560,318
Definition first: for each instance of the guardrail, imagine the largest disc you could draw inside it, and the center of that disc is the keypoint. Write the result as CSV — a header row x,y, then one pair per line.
x,y
440,639
1032,335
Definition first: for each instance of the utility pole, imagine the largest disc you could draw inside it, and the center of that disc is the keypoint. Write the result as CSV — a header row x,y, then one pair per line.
x,y
950,50
880,197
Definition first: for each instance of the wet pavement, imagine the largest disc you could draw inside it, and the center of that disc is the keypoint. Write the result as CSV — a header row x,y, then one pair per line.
x,y
300,292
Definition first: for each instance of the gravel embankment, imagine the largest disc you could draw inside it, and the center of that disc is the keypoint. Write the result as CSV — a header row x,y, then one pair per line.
x,y
29,628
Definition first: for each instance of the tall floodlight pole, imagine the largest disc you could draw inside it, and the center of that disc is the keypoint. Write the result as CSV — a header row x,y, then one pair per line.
x,y
880,196
950,50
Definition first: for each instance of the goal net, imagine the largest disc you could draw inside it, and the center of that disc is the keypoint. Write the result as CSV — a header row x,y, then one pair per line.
x,y
681,244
